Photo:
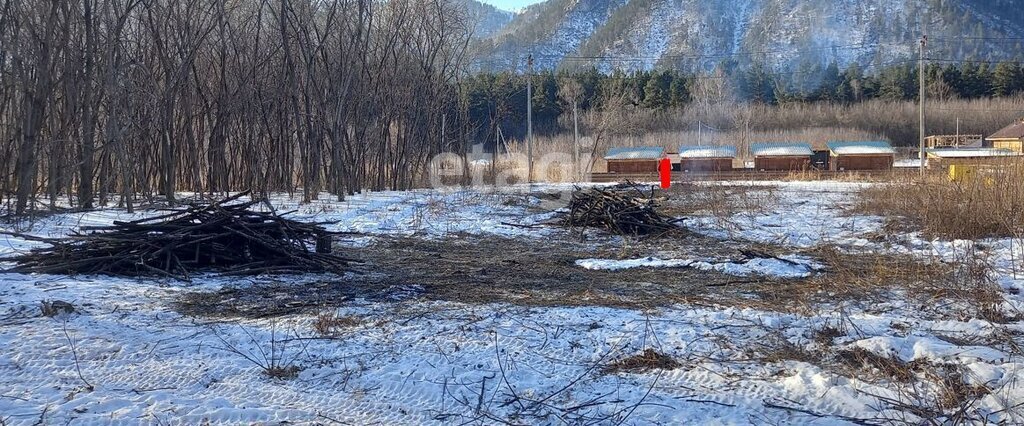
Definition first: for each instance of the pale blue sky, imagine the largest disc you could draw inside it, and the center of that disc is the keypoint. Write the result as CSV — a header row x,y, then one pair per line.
x,y
512,5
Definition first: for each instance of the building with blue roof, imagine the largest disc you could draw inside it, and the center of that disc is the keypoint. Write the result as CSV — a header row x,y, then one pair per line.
x,y
706,158
861,155
643,159
781,156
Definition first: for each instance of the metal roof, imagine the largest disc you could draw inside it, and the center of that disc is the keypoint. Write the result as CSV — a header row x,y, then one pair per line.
x,y
860,148
1013,131
970,152
781,149
635,153
707,152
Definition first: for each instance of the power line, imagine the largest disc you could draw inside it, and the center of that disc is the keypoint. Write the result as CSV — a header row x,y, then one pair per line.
x,y
970,61
961,39
737,54
868,68
978,109
873,67
859,46
726,55
626,58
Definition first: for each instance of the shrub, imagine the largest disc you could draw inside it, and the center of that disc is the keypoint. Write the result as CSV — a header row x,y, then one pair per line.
x,y
991,204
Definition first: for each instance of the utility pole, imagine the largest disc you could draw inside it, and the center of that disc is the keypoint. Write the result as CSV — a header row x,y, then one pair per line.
x,y
958,131
921,95
576,139
494,156
700,134
746,138
529,119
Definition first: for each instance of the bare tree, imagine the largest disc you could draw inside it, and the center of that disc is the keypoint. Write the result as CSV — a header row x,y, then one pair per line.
x,y
34,67
571,91
151,97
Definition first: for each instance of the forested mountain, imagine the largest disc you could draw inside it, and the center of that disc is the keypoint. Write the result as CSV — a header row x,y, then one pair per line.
x,y
698,35
486,20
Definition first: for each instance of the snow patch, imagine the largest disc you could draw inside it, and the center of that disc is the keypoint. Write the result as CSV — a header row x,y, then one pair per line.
x,y
646,262
792,267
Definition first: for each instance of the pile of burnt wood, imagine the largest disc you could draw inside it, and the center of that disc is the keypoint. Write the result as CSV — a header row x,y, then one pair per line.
x,y
627,209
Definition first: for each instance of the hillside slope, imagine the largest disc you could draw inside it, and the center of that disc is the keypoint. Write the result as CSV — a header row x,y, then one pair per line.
x,y
782,34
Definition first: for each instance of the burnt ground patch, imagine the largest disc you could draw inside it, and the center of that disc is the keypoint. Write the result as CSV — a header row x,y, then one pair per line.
x,y
493,269
542,271
532,271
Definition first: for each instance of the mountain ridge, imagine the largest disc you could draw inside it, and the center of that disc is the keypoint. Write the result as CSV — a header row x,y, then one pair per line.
x,y
699,35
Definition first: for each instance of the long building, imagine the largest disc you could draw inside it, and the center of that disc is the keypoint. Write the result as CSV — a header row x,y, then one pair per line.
x,y
781,156
861,155
634,159
706,158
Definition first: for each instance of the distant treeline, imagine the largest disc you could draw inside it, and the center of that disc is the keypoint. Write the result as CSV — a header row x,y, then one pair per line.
x,y
499,99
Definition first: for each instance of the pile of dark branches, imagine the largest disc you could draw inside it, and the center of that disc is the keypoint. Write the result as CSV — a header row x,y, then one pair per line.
x,y
624,209
229,236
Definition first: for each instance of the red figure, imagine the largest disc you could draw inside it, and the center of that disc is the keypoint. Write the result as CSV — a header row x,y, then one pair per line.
x,y
665,170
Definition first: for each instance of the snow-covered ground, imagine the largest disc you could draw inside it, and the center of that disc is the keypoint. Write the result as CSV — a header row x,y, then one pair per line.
x,y
126,356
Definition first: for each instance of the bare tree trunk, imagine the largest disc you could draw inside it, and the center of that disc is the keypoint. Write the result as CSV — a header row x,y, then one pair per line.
x,y
36,97
88,147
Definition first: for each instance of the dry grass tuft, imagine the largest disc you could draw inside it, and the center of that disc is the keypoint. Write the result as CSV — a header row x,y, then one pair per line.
x,y
966,280
953,391
789,352
858,273
775,347
863,361
924,392
848,176
330,324
724,202
991,204
860,277
826,335
282,372
642,363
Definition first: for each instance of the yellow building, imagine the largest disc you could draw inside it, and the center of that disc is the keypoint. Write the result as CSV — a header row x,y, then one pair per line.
x,y
1010,137
970,158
